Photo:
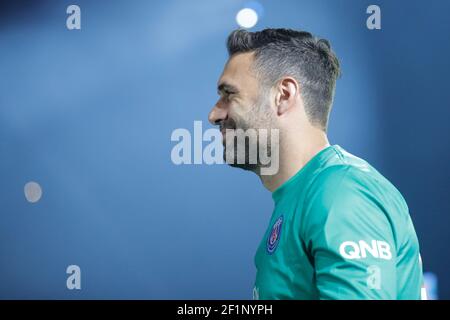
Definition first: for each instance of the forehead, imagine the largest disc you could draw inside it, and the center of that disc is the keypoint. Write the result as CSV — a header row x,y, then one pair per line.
x,y
237,71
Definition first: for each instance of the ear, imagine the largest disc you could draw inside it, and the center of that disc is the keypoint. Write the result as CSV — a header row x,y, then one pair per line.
x,y
287,93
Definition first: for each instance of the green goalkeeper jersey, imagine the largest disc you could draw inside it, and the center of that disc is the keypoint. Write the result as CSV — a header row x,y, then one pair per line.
x,y
339,230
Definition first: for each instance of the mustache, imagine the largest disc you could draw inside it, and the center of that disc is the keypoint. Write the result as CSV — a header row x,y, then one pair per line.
x,y
227,124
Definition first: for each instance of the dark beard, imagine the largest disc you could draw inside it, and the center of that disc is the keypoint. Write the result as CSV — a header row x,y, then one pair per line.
x,y
247,165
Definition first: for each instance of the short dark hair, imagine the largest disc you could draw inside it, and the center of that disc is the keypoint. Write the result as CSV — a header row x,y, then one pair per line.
x,y
287,52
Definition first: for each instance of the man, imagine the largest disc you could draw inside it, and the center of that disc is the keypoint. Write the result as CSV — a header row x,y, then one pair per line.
x,y
339,229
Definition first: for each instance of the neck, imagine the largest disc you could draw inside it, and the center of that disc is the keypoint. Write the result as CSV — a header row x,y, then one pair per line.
x,y
294,156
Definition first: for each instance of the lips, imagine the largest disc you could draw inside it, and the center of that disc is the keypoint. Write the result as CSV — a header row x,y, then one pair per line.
x,y
228,124
224,131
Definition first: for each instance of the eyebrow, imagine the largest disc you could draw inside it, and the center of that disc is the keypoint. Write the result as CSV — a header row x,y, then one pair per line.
x,y
225,87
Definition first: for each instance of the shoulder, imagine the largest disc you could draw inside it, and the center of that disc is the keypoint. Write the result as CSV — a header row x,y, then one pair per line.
x,y
334,182
342,194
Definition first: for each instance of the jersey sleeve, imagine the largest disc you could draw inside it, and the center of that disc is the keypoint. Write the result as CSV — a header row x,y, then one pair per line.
x,y
349,238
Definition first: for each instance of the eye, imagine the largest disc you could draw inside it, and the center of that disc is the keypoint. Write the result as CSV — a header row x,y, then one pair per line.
x,y
225,95
229,93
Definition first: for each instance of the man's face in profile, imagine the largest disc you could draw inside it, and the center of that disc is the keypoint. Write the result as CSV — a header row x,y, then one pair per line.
x,y
242,105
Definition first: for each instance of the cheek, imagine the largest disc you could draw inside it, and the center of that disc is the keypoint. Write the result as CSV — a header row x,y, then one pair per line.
x,y
239,115
236,107
242,108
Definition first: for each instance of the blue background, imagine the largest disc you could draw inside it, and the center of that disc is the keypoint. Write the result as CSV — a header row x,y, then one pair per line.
x,y
88,114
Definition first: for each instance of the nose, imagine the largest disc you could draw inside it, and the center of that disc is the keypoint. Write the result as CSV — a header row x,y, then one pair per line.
x,y
217,114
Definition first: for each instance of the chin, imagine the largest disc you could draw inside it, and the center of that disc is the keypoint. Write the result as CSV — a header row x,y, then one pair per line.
x,y
245,166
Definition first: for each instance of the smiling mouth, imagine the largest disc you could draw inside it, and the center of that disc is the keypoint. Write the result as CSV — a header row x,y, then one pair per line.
x,y
224,131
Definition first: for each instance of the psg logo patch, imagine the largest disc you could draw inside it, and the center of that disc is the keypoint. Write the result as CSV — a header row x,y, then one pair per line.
x,y
274,236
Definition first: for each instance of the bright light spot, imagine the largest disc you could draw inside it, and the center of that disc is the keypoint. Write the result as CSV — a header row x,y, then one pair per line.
x,y
33,191
247,18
